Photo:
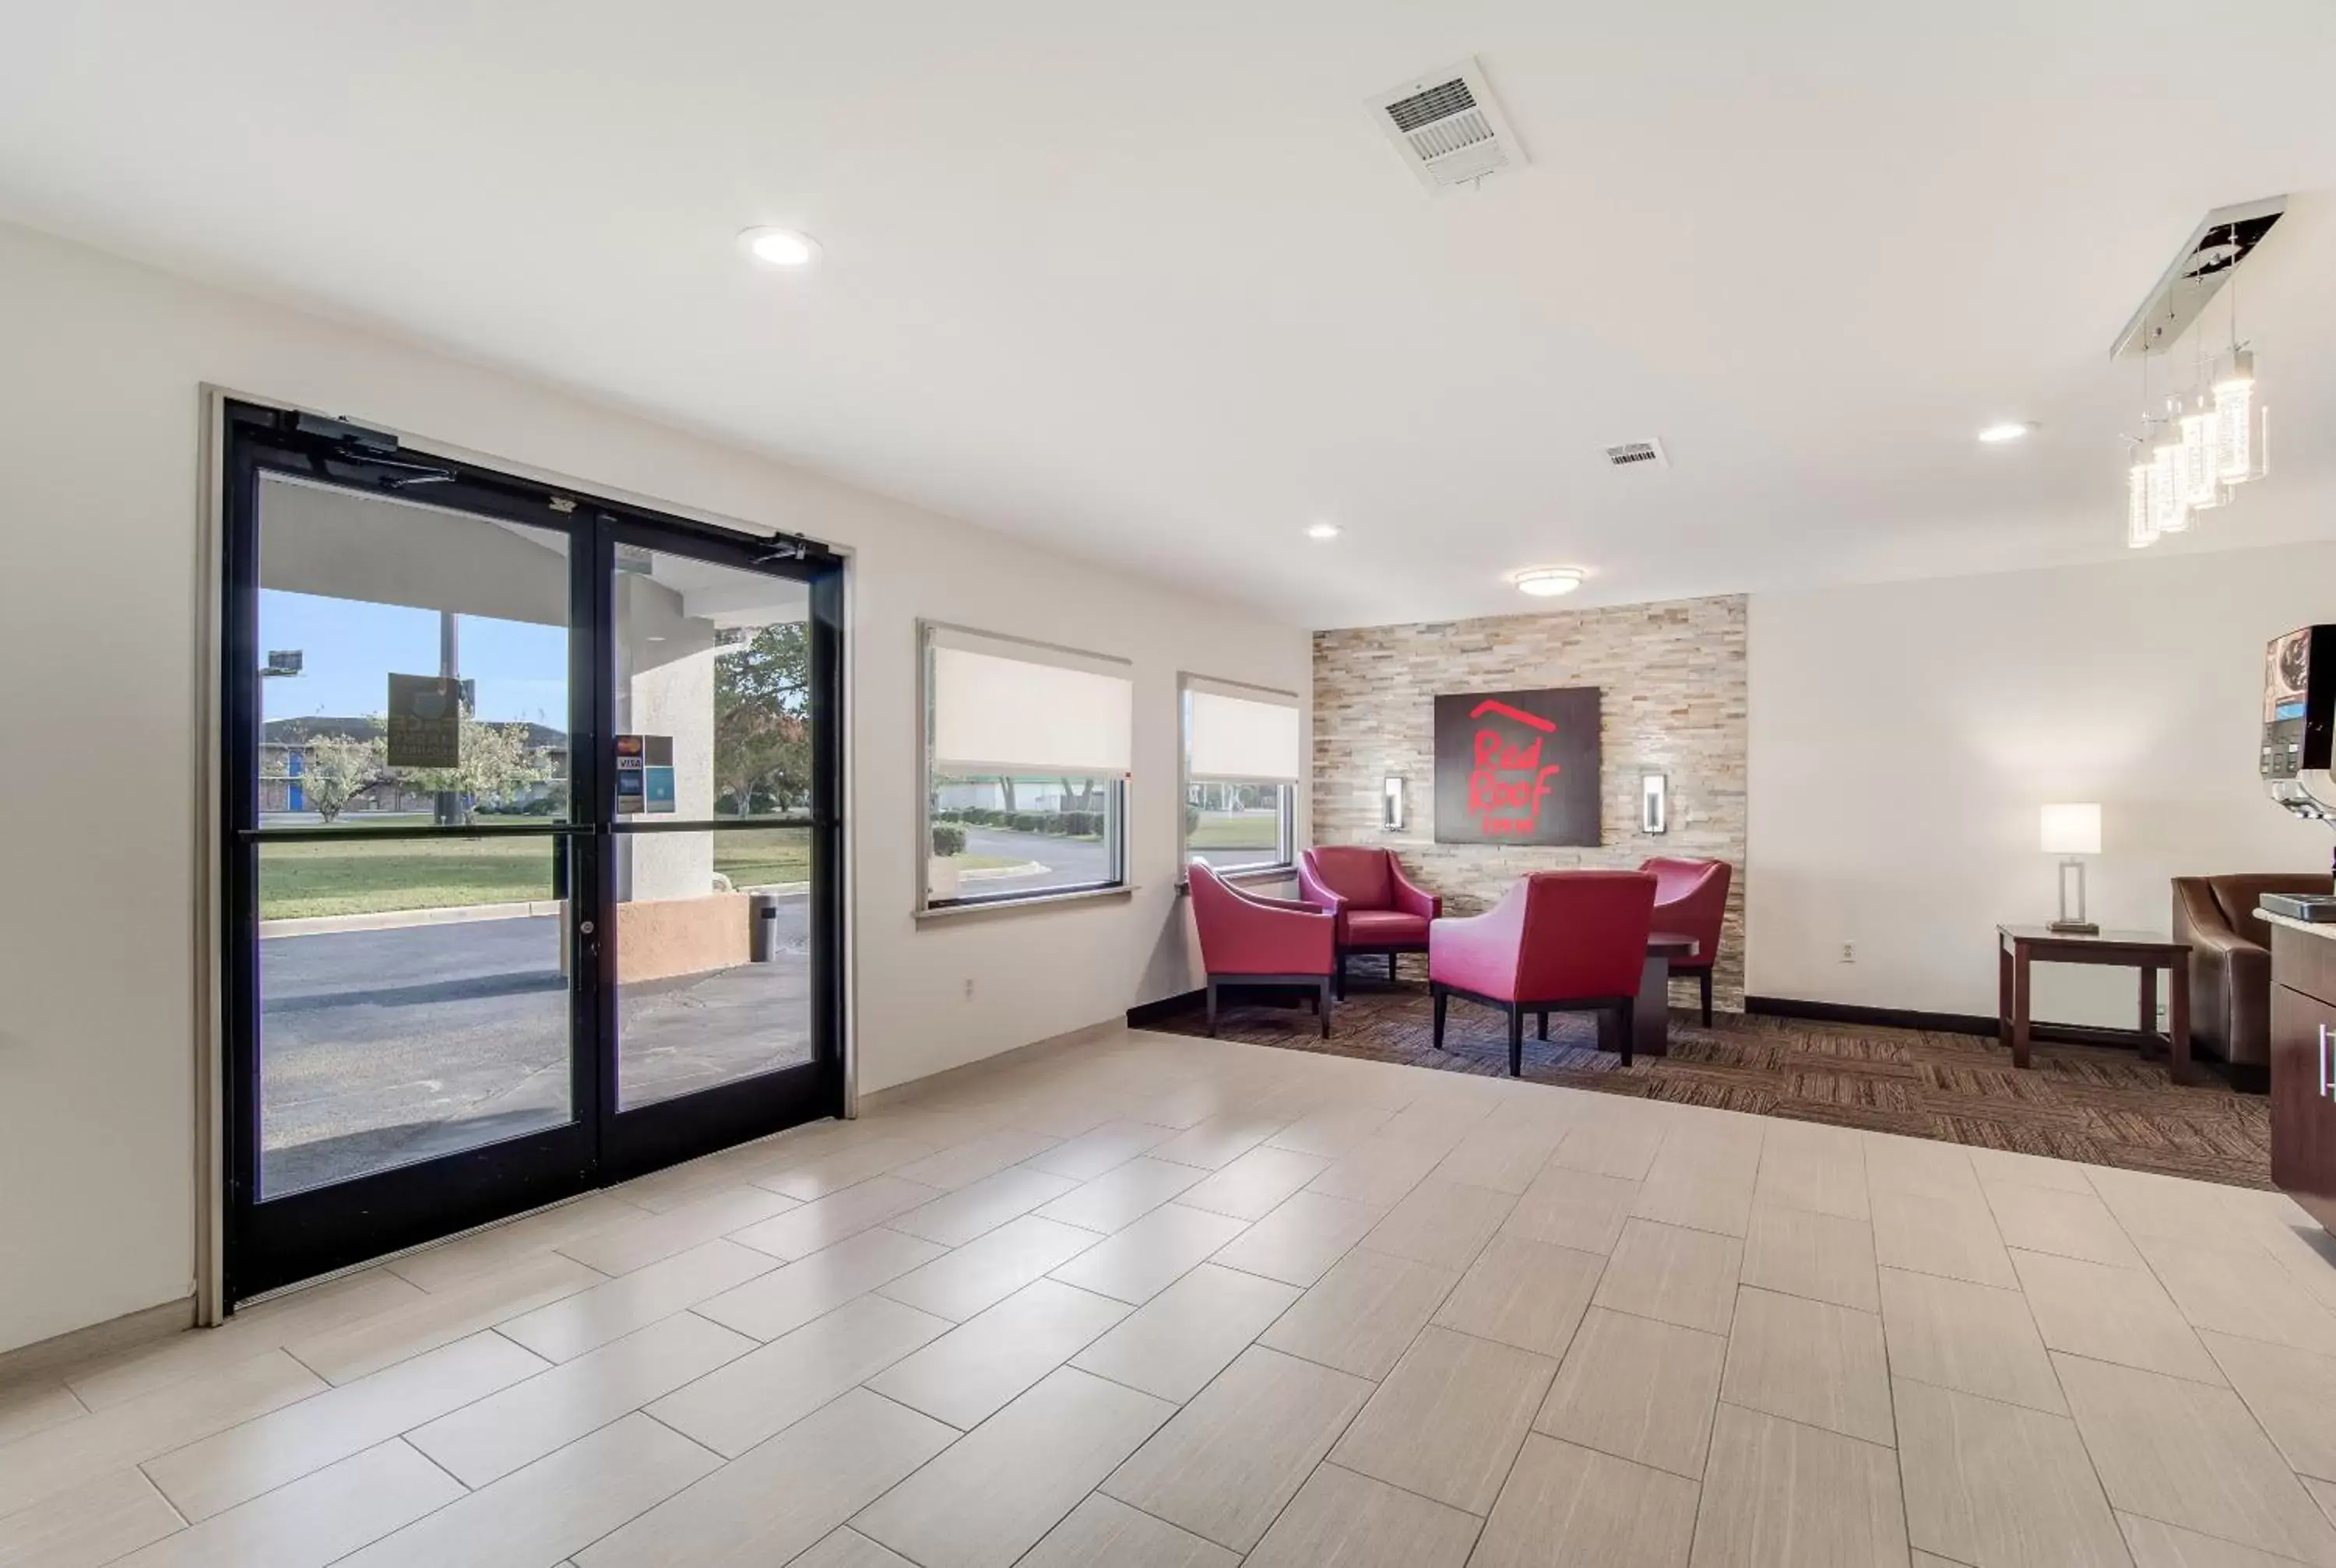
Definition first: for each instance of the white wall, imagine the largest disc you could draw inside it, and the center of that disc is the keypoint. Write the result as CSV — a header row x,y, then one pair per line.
x,y
99,474
1903,737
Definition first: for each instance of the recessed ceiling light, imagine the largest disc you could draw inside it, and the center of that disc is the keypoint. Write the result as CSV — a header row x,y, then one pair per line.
x,y
2010,430
1547,581
1322,530
780,246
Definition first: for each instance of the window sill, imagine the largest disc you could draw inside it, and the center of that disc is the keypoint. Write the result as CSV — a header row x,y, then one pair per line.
x,y
1286,872
1035,902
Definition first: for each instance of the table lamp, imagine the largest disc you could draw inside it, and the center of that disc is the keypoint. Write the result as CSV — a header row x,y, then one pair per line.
x,y
2073,832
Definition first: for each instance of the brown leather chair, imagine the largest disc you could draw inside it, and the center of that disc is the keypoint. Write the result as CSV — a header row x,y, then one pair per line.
x,y
2230,959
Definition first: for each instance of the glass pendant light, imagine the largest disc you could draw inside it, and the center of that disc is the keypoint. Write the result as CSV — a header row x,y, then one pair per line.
x,y
2202,485
2239,423
2169,511
2140,532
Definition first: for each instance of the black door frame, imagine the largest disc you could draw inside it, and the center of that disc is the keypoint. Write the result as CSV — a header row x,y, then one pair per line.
x,y
280,1241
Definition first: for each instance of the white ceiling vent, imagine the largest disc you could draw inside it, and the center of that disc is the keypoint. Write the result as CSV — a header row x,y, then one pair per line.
x,y
1449,126
1646,453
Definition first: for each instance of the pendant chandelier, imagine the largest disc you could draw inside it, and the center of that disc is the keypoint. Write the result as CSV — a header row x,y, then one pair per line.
x,y
2203,440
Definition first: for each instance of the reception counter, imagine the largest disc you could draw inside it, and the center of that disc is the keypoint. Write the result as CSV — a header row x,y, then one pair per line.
x,y
2303,1064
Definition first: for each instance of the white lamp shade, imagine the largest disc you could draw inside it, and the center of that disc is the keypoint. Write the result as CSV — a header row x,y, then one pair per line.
x,y
1000,707
1245,737
2072,829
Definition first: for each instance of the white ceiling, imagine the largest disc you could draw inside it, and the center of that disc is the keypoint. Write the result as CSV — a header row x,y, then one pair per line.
x,y
1144,282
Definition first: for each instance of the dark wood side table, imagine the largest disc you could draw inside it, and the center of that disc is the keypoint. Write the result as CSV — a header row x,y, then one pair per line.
x,y
2018,947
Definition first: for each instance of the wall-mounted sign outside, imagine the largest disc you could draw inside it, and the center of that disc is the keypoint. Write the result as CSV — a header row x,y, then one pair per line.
x,y
1517,767
425,720
645,781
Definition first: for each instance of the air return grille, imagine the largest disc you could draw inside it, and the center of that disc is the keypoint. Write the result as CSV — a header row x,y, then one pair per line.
x,y
1448,127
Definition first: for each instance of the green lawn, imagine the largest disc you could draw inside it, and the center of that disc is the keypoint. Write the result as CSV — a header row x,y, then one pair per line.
x,y
349,877
1236,830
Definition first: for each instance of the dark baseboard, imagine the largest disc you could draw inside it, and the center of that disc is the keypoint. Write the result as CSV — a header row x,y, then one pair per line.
x,y
1145,1014
1947,1023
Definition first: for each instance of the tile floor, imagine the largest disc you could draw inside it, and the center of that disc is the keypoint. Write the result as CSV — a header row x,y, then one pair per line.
x,y
1147,1299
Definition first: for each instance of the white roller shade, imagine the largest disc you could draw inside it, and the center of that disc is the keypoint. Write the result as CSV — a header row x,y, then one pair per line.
x,y
1005,707
1235,735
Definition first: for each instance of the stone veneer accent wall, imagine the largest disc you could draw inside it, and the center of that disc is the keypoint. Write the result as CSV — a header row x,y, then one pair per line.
x,y
1672,695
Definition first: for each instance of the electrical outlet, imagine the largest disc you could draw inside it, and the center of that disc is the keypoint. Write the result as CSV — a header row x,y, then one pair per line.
x,y
1849,952
968,987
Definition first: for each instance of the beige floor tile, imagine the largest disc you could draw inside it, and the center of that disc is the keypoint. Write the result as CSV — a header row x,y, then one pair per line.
x,y
2291,1392
1097,1150
62,1457
630,1244
986,1271
487,1441
1678,1276
793,1294
1378,1170
2191,1454
2241,1291
1224,1467
316,1520
1441,1222
359,1349
1174,1343
823,1221
1449,1419
1823,1257
1299,1238
238,1465
1253,1185
1779,1495
1150,1254
1000,1488
29,1408
2111,1314
1811,1362
600,1314
1102,1530
740,1404
1637,1389
87,1525
1998,1167
1362,1315
1610,1145
554,1507
2323,1492
956,1218
780,1497
2159,1545
1332,1130
2067,1225
962,1165
1506,1162
1972,1339
1922,1166
1355,1521
487,1252
1219,1141
2150,1205
1568,1208
1950,1234
847,1165
1122,1194
1564,1504
1698,1203
1816,1169
976,1368
1524,1293
1438,1119
1993,1484
847,1548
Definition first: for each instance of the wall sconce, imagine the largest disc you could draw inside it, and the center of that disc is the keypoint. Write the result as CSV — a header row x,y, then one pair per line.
x,y
1654,804
1391,804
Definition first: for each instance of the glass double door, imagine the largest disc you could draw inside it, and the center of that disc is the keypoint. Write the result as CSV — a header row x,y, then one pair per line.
x,y
529,864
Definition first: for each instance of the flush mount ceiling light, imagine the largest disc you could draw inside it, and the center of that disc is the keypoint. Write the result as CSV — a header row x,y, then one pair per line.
x,y
1322,530
1547,581
2007,431
780,246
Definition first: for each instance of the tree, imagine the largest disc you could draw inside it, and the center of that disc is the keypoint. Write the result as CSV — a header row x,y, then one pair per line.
x,y
334,768
498,762
762,733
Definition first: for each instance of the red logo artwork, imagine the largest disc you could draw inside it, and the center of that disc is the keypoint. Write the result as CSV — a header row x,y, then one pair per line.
x,y
1509,782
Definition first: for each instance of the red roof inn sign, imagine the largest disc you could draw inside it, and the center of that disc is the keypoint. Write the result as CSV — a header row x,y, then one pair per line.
x,y
1517,767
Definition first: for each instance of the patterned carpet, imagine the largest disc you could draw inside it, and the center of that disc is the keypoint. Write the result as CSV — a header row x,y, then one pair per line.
x,y
2098,1104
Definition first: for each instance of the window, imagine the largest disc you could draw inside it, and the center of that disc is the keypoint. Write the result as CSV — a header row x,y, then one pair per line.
x,y
1026,763
1240,775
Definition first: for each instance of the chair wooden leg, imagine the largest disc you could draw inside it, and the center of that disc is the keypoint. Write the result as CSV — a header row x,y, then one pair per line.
x,y
1213,1010
1322,1007
1442,997
1706,978
1630,1011
1541,1024
1390,969
1516,1041
1339,976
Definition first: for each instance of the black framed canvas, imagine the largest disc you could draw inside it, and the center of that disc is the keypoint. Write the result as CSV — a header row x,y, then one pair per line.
x,y
1517,767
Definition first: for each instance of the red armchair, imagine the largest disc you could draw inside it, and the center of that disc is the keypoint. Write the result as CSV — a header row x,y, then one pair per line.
x,y
1560,942
1247,941
1377,909
1691,901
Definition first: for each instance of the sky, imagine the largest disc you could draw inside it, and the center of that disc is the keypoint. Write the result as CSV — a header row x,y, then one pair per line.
x,y
350,647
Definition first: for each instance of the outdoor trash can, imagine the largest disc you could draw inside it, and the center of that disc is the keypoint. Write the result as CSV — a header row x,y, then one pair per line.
x,y
763,928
